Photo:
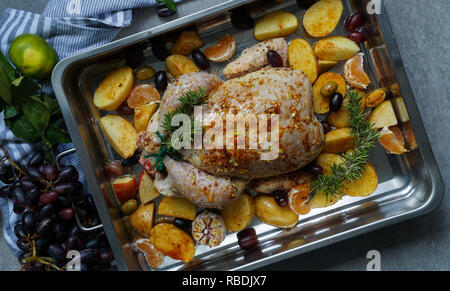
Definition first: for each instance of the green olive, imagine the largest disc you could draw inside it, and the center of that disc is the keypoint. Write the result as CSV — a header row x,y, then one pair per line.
x,y
145,73
328,89
129,207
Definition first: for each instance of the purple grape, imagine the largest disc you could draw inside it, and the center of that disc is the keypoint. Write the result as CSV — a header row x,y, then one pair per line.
x,y
46,211
49,197
27,185
19,231
65,188
74,243
36,160
44,226
24,245
50,172
66,214
19,196
59,233
247,238
34,174
67,174
88,256
28,222
105,256
356,36
17,209
56,252
41,244
354,21
33,197
64,202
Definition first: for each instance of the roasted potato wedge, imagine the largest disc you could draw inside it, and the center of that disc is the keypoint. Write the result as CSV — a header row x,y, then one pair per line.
x,y
186,43
339,141
327,160
239,213
114,89
269,212
383,116
120,134
339,119
143,219
321,200
336,48
365,185
322,18
173,242
275,24
322,104
147,190
142,115
301,57
177,207
179,65
325,66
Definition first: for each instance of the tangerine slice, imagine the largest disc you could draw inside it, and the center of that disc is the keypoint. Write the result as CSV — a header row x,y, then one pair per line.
x,y
142,94
298,199
392,140
354,72
153,256
222,51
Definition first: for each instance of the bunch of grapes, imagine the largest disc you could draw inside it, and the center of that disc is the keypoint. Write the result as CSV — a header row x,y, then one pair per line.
x,y
48,198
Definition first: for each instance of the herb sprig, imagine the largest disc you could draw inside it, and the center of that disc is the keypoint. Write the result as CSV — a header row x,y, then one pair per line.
x,y
353,165
186,105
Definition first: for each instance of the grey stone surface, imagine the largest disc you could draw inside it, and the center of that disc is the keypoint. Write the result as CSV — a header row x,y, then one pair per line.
x,y
422,33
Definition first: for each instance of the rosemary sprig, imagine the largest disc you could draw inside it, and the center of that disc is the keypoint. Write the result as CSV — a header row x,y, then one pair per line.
x,y
188,101
353,165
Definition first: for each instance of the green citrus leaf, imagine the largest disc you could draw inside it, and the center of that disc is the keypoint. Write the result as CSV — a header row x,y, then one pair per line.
x,y
37,114
24,130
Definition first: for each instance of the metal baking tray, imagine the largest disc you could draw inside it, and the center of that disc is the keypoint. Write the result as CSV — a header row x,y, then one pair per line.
x,y
409,185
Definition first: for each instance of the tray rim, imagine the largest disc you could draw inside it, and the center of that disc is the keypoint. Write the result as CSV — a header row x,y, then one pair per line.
x,y
436,183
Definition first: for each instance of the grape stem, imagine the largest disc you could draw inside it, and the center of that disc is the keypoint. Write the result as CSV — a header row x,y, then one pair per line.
x,y
43,260
6,157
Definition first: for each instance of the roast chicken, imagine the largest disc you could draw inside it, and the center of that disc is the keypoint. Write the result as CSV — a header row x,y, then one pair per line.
x,y
214,177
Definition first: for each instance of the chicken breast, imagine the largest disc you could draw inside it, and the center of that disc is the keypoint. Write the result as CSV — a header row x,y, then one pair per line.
x,y
255,57
276,92
184,83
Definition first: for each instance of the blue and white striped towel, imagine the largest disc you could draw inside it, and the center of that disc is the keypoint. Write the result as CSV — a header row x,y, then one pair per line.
x,y
70,26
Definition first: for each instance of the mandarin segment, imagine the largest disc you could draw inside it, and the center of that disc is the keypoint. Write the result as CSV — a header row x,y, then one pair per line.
x,y
223,50
153,257
354,72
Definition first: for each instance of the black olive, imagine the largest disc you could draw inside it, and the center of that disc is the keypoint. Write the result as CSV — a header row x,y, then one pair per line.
x,y
336,102
161,81
200,60
274,59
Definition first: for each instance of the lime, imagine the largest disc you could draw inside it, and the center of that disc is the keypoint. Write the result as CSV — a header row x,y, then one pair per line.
x,y
32,55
